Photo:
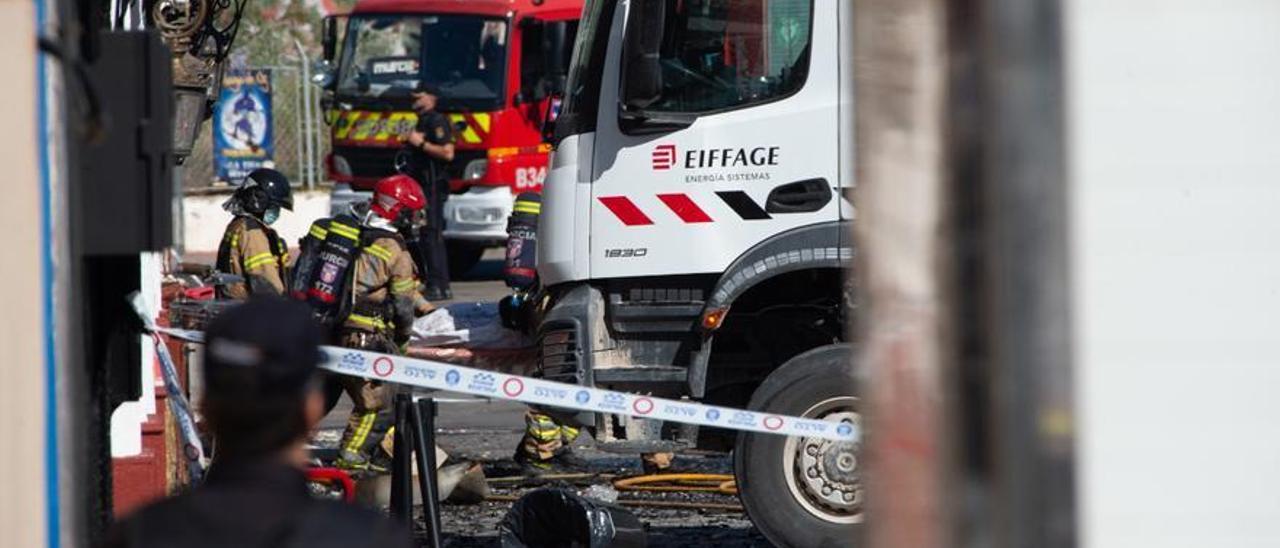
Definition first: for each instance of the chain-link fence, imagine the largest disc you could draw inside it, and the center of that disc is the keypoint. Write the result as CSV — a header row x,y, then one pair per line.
x,y
298,132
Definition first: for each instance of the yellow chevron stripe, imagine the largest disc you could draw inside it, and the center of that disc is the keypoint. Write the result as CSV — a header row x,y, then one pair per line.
x,y
483,121
367,125
468,134
389,128
346,122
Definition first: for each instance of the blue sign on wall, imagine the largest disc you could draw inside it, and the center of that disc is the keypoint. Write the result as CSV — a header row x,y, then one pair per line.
x,y
242,137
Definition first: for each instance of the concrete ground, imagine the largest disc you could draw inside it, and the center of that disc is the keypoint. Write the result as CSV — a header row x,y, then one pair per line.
x,y
488,431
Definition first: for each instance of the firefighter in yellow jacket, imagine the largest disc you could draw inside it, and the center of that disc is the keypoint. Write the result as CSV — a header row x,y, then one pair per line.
x,y
250,248
384,300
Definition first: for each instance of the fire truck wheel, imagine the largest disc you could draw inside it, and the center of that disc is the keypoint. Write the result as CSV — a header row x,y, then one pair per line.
x,y
463,257
804,491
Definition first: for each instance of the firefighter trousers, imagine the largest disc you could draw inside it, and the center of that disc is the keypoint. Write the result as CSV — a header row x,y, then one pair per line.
x,y
544,438
371,414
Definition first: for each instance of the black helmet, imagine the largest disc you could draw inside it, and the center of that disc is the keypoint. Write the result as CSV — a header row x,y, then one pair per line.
x,y
264,188
275,189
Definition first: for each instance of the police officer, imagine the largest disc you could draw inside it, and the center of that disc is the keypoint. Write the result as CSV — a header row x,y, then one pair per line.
x,y
261,401
386,300
250,248
432,144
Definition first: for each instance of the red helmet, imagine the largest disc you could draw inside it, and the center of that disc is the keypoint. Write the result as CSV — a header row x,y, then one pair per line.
x,y
395,194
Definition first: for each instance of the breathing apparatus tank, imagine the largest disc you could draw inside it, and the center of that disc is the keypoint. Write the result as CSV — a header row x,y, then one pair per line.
x,y
520,270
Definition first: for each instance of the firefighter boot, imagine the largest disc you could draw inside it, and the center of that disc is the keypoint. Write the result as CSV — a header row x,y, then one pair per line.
x,y
360,441
547,446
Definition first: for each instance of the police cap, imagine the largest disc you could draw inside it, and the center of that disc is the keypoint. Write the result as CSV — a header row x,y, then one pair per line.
x,y
427,87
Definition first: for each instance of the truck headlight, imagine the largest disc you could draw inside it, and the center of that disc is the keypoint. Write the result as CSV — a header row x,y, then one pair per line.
x,y
339,166
484,215
475,169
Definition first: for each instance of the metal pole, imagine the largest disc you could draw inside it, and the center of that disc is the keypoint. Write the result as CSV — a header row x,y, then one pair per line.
x,y
310,123
301,132
424,448
401,465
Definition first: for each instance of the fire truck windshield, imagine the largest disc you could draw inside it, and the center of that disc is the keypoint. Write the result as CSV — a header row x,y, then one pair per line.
x,y
464,56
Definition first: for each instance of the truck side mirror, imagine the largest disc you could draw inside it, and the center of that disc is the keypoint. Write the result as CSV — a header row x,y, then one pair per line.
x,y
641,69
329,38
324,74
549,118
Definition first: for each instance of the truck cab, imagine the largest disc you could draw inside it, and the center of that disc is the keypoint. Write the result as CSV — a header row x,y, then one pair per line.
x,y
695,236
497,63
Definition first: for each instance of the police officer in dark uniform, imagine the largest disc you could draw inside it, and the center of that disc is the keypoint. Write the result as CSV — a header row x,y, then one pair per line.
x,y
432,144
262,399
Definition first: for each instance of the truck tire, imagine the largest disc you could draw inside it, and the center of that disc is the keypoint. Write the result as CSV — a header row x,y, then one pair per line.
x,y
804,492
462,257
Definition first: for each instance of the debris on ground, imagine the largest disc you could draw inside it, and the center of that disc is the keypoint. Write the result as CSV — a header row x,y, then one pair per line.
x,y
671,518
560,517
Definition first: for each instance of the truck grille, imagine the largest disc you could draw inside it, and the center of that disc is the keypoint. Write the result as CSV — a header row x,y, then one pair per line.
x,y
560,354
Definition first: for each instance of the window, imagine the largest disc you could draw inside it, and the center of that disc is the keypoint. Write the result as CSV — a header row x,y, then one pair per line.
x,y
544,43
722,54
463,55
578,113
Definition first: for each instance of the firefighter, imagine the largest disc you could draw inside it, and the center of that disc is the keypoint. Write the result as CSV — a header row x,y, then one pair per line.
x,y
384,297
546,443
261,401
250,248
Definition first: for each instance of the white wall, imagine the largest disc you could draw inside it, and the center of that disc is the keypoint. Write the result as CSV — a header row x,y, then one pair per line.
x,y
22,294
128,418
204,219
1175,162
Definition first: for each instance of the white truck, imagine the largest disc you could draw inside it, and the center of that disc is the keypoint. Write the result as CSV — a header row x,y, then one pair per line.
x,y
695,237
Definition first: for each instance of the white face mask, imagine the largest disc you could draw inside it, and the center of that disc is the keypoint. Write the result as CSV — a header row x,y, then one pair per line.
x,y
271,215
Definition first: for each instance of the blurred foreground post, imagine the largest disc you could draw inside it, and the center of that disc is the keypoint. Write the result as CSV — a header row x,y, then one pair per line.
x,y
962,236
901,79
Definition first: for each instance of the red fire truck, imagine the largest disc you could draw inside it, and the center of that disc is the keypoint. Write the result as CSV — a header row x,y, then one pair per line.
x,y
498,65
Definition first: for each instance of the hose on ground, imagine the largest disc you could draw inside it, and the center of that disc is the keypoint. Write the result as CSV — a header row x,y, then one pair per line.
x,y
707,483
683,505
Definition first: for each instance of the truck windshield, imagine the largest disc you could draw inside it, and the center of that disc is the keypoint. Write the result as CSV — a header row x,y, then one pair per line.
x,y
386,56
719,55
578,114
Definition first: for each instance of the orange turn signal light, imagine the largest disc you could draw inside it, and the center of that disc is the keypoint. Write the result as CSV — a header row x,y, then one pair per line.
x,y
713,318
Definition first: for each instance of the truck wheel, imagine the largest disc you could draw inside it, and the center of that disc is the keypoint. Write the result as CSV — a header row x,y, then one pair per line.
x,y
804,491
462,257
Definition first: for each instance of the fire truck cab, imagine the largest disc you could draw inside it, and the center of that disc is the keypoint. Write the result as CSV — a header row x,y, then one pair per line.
x,y
695,237
497,63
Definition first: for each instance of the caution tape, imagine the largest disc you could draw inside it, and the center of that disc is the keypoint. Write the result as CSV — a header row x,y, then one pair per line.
x,y
455,378
193,449
436,375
